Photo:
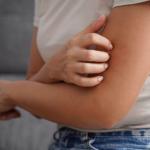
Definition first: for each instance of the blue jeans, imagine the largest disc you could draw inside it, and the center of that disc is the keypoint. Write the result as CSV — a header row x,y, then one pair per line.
x,y
70,139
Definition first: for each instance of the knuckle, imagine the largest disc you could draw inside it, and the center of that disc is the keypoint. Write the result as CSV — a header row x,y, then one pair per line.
x,y
70,43
84,68
89,55
66,68
73,41
91,36
70,53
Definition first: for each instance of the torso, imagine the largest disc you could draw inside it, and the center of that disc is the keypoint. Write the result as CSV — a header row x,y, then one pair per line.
x,y
60,20
63,19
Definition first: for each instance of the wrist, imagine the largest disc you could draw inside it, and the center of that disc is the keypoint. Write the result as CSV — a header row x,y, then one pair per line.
x,y
6,100
53,74
55,65
45,75
12,91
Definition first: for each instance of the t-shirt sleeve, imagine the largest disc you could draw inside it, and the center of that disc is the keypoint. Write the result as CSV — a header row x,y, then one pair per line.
x,y
36,13
127,2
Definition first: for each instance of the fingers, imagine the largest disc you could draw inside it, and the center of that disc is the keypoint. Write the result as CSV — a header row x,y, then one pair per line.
x,y
93,39
12,114
89,37
94,26
87,81
89,68
83,62
85,55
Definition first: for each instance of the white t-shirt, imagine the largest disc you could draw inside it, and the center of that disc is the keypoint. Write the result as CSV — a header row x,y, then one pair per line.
x,y
59,20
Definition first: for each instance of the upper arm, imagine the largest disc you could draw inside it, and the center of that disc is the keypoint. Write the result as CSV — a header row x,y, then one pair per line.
x,y
128,28
36,62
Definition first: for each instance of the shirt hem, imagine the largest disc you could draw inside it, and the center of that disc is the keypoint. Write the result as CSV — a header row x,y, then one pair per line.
x,y
121,3
110,130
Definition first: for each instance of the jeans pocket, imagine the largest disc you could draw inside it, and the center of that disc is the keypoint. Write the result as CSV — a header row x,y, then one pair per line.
x,y
119,143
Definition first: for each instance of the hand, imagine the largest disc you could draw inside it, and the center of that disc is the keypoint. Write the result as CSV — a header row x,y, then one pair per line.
x,y
7,110
11,114
75,62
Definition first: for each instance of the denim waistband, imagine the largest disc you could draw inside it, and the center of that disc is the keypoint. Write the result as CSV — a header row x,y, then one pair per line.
x,y
64,131
128,139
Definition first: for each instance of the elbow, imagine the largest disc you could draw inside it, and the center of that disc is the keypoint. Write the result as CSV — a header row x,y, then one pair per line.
x,y
109,123
95,121
103,116
106,122
103,110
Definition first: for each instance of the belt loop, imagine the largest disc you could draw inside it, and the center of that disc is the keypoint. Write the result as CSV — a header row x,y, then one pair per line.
x,y
56,135
84,136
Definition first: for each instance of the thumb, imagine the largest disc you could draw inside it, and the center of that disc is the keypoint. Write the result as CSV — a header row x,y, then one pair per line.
x,y
12,114
95,26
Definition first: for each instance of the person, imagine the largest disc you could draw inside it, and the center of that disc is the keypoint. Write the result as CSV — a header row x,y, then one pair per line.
x,y
91,113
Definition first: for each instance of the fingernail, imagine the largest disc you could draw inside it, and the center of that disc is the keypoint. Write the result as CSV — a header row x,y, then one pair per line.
x,y
110,47
101,17
96,23
105,66
100,78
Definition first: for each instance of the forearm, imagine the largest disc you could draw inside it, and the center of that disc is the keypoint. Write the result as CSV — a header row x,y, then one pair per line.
x,y
61,103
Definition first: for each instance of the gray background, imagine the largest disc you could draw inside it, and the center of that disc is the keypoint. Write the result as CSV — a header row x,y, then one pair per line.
x,y
16,20
15,34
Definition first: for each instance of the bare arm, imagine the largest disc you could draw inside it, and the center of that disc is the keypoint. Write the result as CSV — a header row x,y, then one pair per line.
x,y
36,62
106,104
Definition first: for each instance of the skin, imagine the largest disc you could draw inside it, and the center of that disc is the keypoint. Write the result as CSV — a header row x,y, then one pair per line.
x,y
74,60
106,104
66,64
